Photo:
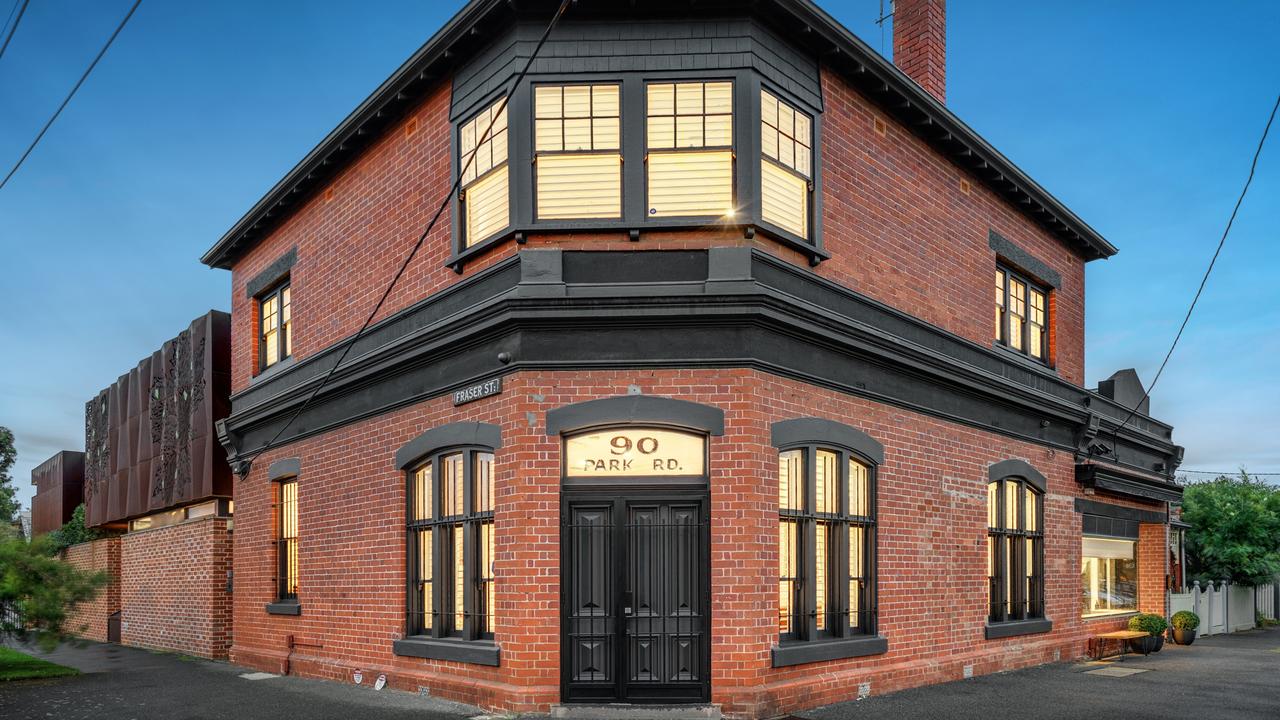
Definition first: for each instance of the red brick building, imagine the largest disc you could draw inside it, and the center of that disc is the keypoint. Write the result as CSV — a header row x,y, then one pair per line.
x,y
698,392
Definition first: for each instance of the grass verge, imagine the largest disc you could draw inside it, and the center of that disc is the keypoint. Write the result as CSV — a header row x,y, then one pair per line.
x,y
20,666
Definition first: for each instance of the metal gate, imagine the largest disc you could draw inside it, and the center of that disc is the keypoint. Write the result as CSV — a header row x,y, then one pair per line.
x,y
635,598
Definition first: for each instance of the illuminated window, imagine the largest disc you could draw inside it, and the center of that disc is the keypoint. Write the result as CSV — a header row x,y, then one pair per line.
x,y
1022,315
451,546
826,508
275,326
287,539
482,161
577,151
1108,576
1015,550
786,142
689,133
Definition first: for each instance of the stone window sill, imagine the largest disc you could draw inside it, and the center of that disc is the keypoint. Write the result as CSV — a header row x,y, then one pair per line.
x,y
284,608
474,652
820,650
1015,628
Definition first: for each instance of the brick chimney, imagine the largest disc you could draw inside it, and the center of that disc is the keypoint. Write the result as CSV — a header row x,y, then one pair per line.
x,y
920,43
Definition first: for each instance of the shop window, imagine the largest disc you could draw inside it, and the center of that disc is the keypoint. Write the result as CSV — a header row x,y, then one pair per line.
x,y
1022,315
786,166
826,544
689,133
483,165
1108,576
577,151
451,546
275,326
1015,550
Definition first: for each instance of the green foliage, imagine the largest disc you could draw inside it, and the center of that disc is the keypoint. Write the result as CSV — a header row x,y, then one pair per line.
x,y
1235,530
1149,623
8,493
41,588
74,532
1185,620
20,666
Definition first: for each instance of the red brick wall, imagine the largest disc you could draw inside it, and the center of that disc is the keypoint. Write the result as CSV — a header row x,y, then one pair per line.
x,y
896,221
932,520
1153,566
89,620
174,588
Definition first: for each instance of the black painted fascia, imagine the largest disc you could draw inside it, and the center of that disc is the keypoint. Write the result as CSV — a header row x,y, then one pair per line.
x,y
802,653
1015,628
463,651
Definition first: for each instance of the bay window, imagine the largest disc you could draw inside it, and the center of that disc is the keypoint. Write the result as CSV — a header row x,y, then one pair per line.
x,y
577,151
786,168
690,149
485,178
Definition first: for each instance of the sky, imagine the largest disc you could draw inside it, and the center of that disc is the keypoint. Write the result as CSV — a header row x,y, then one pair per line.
x,y
1140,116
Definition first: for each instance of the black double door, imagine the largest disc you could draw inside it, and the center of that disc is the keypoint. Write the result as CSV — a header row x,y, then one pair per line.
x,y
635,598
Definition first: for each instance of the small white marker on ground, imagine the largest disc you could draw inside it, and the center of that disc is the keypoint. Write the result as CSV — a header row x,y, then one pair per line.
x,y
258,676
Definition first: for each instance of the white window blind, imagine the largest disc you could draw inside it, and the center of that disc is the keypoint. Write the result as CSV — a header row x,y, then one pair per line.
x,y
786,141
576,144
689,133
484,173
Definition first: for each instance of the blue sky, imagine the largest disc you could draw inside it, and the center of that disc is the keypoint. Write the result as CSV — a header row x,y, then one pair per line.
x,y
1141,117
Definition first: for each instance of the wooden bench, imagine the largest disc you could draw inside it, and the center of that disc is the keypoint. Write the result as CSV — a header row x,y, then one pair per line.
x,y
1124,636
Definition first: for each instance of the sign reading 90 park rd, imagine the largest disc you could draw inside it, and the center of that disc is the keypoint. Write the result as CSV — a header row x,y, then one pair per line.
x,y
634,452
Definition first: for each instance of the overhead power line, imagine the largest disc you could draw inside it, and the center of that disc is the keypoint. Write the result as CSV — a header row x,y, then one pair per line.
x,y
9,36
444,203
1231,472
71,94
1221,242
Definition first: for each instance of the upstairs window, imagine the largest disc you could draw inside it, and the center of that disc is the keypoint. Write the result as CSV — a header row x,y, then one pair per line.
x,y
786,166
275,326
483,164
451,546
1022,314
689,133
1015,550
577,151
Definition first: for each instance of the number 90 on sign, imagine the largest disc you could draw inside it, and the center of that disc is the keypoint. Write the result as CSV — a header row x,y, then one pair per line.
x,y
635,452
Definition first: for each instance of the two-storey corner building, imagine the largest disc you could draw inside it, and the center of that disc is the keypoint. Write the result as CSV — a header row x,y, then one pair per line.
x,y
739,371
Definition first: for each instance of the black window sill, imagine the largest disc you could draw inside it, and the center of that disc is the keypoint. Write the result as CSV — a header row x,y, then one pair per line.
x,y
1015,628
819,650
475,652
284,608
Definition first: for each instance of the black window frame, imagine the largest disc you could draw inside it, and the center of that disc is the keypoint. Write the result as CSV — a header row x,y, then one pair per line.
x,y
812,180
477,587
633,85
804,618
1004,339
282,344
1025,604
288,575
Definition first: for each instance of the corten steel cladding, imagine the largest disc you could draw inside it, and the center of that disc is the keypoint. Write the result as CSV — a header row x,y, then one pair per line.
x,y
150,442
59,489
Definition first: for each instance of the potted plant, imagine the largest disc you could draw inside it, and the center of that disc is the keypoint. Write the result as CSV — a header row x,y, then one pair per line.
x,y
1153,625
1185,623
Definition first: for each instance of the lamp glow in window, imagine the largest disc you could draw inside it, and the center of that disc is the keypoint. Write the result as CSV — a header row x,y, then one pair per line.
x,y
1108,576
634,452
483,164
577,151
690,142
786,141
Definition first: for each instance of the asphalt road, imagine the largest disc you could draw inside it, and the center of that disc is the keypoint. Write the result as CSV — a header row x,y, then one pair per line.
x,y
1230,676
1225,676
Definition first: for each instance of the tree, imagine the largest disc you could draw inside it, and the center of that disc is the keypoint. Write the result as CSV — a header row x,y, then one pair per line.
x,y
73,531
8,493
40,590
1235,529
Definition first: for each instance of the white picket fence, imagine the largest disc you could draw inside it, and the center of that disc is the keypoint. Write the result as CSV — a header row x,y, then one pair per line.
x,y
1226,607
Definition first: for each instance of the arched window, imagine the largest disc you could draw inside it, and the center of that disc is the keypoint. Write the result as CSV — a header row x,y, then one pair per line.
x,y
1015,544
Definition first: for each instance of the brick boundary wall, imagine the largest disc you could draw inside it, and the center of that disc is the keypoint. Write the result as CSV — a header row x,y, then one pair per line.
x,y
95,556
932,520
174,588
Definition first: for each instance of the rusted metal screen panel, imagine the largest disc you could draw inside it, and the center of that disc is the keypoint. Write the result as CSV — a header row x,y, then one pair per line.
x,y
150,439
58,482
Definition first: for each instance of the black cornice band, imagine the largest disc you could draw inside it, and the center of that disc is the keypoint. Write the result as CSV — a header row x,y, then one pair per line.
x,y
284,468
636,410
1019,469
820,431
459,434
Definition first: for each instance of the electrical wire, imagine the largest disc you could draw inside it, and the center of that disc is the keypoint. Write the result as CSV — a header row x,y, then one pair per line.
x,y
21,9
71,94
1233,472
247,464
1230,221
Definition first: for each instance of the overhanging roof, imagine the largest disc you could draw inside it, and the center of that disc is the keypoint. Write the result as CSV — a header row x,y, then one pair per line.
x,y
1127,481
800,20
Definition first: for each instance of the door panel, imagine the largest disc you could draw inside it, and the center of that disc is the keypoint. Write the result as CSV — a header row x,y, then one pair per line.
x,y
648,639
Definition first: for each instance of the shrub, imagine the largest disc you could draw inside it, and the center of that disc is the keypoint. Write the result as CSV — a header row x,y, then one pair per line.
x,y
1185,620
1149,623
